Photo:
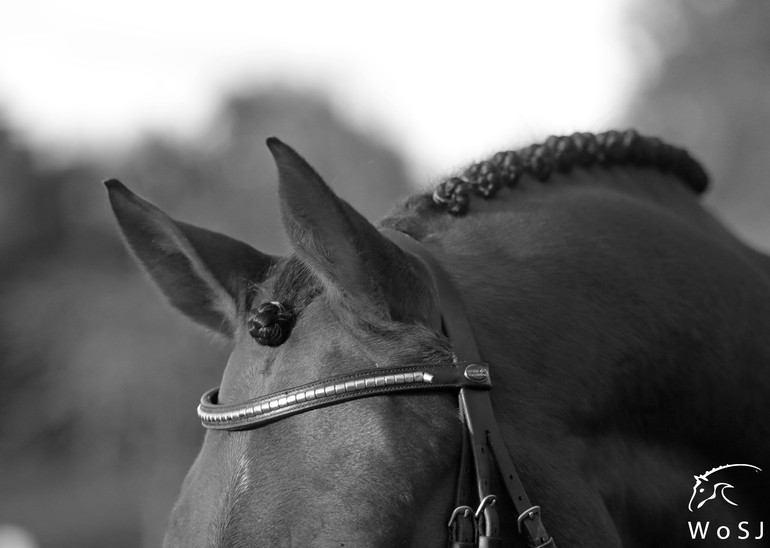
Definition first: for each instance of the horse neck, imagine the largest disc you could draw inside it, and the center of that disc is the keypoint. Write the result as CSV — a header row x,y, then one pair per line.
x,y
570,282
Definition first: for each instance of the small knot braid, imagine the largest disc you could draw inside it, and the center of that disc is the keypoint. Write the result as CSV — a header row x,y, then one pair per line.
x,y
271,324
562,154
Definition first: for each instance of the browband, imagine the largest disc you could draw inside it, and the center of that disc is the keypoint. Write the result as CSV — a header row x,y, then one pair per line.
x,y
370,382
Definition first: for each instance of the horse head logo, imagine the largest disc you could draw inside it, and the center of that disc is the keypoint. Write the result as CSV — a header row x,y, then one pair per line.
x,y
705,489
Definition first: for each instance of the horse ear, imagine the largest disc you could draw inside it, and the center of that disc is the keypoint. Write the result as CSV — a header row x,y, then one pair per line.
x,y
204,274
345,250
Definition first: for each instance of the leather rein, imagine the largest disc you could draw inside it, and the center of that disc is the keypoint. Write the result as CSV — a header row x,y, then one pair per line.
x,y
470,525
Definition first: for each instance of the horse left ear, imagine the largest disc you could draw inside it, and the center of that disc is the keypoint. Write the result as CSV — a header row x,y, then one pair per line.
x,y
344,249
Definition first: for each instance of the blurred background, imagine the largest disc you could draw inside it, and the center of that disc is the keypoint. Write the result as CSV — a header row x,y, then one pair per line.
x,y
99,377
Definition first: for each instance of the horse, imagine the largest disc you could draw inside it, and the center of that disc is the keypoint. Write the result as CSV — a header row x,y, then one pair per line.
x,y
622,328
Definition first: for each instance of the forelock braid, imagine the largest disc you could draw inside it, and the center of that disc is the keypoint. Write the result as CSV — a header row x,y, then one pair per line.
x,y
562,154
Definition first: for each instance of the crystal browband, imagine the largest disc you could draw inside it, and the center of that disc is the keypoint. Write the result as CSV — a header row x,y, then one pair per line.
x,y
370,382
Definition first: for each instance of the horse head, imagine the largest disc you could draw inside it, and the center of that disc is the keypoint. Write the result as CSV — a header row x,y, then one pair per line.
x,y
606,298
362,473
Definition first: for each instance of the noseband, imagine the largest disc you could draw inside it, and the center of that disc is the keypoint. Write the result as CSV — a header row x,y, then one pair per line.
x,y
474,525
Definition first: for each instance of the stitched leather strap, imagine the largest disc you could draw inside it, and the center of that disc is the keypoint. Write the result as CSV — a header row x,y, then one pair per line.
x,y
486,440
462,528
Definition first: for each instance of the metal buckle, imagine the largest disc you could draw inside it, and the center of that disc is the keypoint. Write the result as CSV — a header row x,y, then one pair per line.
x,y
467,511
462,532
489,500
529,513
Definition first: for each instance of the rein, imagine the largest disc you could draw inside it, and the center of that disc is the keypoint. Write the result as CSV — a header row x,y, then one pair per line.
x,y
470,525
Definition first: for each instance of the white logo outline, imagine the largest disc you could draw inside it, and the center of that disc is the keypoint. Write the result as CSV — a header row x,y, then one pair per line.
x,y
719,487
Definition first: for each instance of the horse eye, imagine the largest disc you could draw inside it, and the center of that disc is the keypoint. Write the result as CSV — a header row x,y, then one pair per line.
x,y
271,324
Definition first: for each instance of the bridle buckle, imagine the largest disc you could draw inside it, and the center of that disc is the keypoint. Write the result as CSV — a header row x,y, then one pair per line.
x,y
490,501
529,513
466,511
462,527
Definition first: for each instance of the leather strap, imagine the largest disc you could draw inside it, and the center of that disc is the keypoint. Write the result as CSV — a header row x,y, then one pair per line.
x,y
486,441
462,528
453,316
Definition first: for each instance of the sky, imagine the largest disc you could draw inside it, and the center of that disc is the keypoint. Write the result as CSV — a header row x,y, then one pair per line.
x,y
442,81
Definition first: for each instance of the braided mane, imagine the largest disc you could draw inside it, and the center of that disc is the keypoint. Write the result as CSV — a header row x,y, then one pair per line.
x,y
562,154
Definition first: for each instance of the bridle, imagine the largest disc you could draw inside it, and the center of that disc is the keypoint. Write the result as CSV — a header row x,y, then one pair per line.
x,y
470,526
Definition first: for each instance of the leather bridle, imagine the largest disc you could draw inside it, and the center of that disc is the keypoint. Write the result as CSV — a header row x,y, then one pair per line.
x,y
470,526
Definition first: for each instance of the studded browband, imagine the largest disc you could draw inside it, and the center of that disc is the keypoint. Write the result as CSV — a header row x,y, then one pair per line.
x,y
469,527
369,382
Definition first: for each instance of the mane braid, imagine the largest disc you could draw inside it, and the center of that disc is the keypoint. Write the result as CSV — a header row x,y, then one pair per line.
x,y
562,154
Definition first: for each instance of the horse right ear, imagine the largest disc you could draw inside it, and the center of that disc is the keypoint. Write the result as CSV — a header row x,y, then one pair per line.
x,y
204,274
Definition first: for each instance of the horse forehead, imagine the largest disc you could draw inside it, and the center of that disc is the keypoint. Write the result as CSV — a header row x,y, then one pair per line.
x,y
317,342
347,470
230,501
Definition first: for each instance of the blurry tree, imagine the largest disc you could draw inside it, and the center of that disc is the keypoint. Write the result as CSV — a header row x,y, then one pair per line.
x,y
21,192
100,377
711,94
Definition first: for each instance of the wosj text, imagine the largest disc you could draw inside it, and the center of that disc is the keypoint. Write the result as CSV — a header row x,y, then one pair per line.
x,y
744,530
